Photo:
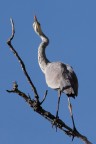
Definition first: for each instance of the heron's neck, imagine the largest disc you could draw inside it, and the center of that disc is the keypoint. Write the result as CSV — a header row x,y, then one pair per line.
x,y
42,60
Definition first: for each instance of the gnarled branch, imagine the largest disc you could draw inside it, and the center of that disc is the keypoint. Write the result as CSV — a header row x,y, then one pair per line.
x,y
20,61
35,104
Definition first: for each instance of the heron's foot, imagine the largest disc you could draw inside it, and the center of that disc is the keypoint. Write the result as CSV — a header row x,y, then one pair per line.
x,y
54,123
74,131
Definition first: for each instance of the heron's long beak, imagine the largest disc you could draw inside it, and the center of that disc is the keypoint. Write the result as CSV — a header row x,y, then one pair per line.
x,y
35,18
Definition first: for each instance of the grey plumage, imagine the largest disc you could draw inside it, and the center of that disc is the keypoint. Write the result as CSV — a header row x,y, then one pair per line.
x,y
61,76
58,75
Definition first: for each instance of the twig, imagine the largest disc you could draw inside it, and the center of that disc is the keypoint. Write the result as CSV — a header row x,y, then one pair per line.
x,y
44,97
35,104
21,62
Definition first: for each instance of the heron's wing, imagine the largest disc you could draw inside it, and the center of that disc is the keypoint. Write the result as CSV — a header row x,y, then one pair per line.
x,y
72,78
61,76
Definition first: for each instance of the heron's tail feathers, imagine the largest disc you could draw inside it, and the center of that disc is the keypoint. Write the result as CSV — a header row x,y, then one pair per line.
x,y
70,92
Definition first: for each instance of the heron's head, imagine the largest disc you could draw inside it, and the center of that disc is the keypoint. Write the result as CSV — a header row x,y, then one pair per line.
x,y
36,26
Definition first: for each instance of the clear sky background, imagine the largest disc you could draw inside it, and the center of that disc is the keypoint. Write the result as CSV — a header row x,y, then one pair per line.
x,y
71,28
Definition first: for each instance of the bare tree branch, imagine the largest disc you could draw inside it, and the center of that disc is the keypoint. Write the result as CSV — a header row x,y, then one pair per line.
x,y
36,104
20,61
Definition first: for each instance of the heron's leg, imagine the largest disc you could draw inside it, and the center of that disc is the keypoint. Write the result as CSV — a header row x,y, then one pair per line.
x,y
59,95
70,109
54,122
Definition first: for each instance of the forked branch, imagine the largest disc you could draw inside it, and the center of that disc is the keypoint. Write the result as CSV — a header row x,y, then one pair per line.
x,y
35,104
20,61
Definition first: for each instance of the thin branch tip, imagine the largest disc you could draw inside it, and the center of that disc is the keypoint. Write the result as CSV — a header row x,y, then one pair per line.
x,y
12,22
46,92
12,34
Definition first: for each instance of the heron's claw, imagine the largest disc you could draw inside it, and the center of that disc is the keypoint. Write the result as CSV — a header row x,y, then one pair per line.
x,y
54,123
72,137
71,133
74,130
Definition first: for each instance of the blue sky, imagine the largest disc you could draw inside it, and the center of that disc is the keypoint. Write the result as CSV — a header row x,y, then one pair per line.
x,y
71,28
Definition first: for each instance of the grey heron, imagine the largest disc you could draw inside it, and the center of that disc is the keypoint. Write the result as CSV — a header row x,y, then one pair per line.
x,y
59,76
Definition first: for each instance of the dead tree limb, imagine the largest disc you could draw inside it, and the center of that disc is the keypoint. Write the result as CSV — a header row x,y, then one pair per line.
x,y
35,104
20,61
